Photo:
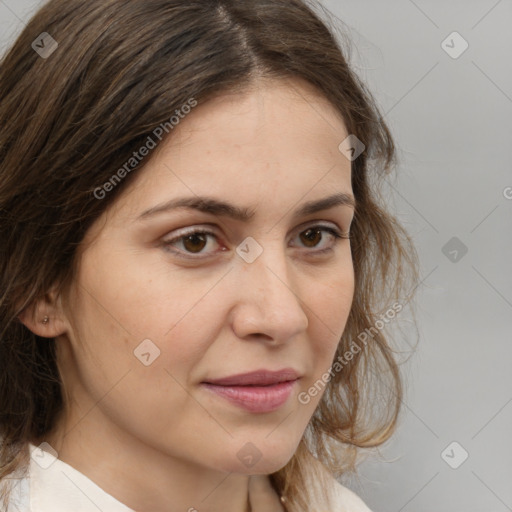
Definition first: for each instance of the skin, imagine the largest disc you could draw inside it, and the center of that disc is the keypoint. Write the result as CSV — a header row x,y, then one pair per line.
x,y
151,435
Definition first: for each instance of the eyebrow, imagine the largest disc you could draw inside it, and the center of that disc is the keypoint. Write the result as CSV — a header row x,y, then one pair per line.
x,y
221,208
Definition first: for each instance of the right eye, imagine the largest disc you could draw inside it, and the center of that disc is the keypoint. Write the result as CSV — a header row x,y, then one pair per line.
x,y
193,241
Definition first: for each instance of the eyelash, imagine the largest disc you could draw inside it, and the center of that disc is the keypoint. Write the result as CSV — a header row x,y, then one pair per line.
x,y
338,235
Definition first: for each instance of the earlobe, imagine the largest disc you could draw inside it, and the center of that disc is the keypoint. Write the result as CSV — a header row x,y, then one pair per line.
x,y
42,319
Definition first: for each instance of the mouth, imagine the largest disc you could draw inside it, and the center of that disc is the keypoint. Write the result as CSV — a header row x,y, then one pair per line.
x,y
261,391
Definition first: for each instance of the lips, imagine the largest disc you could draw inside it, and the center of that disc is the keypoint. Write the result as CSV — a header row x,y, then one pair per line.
x,y
261,391
257,378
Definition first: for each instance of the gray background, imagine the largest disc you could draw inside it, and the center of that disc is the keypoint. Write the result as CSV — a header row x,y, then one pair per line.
x,y
451,118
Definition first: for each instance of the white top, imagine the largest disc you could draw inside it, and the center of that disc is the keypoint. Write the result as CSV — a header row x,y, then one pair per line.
x,y
51,485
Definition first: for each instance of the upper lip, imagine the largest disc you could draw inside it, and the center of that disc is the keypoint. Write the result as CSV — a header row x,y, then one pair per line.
x,y
256,378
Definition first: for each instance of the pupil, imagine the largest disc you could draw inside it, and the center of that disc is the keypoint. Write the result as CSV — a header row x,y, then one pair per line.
x,y
311,234
194,238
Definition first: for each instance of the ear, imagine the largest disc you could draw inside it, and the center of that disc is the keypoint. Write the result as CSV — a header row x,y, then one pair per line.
x,y
49,306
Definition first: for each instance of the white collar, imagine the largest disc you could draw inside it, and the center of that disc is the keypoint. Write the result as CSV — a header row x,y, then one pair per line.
x,y
54,486
58,487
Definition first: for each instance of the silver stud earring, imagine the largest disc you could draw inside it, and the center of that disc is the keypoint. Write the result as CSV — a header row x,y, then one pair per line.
x,y
45,320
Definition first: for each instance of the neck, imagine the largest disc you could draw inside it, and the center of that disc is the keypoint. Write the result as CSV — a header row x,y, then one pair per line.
x,y
143,477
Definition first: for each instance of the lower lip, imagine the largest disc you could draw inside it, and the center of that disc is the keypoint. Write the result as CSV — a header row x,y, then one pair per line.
x,y
255,398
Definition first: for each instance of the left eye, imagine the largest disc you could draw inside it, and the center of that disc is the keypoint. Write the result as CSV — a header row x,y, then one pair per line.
x,y
195,241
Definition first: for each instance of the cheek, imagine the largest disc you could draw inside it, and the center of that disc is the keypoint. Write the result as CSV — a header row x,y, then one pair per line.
x,y
128,316
329,308
134,360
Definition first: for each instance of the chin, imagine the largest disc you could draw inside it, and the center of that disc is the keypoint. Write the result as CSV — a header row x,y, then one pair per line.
x,y
254,459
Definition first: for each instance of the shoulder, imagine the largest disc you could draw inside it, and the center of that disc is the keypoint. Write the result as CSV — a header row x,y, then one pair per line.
x,y
15,488
346,499
339,496
14,494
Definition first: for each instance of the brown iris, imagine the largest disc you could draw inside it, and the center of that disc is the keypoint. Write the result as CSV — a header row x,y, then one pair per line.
x,y
195,242
311,235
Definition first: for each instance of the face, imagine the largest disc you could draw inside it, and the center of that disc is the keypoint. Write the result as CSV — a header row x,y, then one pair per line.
x,y
167,301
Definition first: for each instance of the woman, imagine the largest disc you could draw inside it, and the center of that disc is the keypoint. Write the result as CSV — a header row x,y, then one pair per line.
x,y
195,265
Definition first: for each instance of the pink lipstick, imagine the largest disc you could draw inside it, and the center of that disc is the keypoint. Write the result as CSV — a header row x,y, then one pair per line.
x,y
259,391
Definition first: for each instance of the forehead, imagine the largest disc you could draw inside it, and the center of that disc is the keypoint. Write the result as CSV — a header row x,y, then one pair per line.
x,y
275,143
271,113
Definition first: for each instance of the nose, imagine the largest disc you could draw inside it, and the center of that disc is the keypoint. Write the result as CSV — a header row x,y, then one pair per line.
x,y
267,302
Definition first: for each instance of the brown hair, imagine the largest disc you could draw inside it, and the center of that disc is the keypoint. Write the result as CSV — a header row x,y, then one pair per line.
x,y
67,121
